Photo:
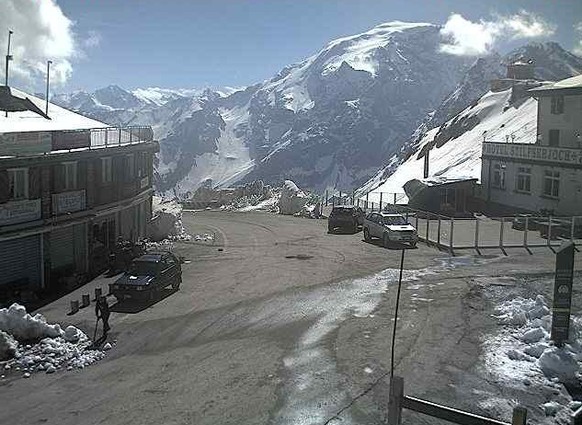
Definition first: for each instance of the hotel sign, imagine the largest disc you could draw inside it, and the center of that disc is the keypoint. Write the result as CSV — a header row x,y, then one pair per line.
x,y
531,152
69,202
25,143
19,211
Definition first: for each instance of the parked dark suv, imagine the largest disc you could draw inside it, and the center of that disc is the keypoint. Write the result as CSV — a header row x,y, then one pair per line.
x,y
345,217
148,275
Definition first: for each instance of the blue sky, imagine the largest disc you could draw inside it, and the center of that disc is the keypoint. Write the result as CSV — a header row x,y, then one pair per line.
x,y
198,43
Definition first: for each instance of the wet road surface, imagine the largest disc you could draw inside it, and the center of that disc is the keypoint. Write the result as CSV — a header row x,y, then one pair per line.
x,y
276,322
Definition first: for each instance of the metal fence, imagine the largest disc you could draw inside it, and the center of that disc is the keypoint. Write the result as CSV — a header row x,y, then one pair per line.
x,y
482,232
375,201
111,136
399,401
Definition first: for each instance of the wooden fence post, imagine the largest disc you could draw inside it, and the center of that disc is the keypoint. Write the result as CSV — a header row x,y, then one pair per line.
x,y
395,400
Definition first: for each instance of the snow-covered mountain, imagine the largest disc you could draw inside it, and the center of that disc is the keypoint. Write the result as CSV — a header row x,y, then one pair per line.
x,y
330,121
455,139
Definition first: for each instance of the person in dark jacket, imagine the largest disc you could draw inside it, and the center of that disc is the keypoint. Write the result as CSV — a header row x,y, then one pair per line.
x,y
102,312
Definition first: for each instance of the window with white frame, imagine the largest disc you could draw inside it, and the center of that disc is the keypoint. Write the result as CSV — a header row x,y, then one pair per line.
x,y
523,182
552,183
70,175
18,183
499,175
106,170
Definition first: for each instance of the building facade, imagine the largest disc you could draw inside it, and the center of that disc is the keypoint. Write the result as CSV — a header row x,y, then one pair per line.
x,y
66,195
544,176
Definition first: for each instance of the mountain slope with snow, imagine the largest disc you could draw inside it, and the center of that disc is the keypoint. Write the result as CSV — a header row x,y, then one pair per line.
x,y
454,148
330,121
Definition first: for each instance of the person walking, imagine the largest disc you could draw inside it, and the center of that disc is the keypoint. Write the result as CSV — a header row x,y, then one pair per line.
x,y
102,312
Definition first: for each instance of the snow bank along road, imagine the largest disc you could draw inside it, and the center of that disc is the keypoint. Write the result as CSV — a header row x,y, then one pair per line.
x,y
285,325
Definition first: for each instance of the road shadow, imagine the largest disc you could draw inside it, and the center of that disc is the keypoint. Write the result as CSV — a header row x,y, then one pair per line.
x,y
138,305
392,246
339,231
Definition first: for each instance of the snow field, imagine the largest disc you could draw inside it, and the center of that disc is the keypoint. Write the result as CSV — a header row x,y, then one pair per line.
x,y
522,355
29,344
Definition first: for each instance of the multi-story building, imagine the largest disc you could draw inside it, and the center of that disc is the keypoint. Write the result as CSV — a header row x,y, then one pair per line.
x,y
545,175
69,187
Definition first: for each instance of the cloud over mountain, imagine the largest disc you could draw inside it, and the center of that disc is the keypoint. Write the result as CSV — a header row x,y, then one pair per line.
x,y
468,38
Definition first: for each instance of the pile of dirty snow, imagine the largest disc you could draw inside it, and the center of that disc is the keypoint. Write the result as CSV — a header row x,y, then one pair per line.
x,y
29,344
166,220
523,355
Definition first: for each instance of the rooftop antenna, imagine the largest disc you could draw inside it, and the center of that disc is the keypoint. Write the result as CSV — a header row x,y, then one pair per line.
x,y
48,79
8,59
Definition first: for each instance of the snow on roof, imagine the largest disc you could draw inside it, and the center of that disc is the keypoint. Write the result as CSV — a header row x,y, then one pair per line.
x,y
571,84
460,157
61,118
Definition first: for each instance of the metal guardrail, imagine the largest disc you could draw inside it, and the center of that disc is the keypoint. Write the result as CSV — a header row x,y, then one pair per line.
x,y
399,401
351,198
109,136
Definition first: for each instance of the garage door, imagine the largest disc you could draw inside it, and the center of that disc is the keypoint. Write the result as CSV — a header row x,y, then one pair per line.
x,y
68,247
20,260
62,247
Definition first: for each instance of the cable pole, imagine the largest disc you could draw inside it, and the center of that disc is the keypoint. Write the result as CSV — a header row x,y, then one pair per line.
x,y
396,315
8,59
48,77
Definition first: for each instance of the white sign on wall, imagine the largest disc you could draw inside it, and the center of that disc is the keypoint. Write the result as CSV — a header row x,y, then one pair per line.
x,y
25,143
533,152
19,211
68,202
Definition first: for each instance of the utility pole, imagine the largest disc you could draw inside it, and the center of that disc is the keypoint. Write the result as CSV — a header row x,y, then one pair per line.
x,y
8,59
48,78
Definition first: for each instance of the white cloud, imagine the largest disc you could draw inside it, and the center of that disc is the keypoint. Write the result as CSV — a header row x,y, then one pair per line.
x,y
41,32
464,37
577,50
93,39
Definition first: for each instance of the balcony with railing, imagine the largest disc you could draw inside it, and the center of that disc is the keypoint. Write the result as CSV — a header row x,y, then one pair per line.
x,y
101,137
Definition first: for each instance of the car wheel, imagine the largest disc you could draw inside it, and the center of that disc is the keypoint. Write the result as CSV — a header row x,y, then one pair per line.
x,y
176,284
386,240
366,234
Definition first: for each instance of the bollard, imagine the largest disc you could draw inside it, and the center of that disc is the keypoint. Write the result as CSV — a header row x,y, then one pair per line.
x,y
74,306
85,300
98,293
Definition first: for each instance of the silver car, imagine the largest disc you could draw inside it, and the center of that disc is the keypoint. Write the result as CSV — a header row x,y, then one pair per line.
x,y
389,227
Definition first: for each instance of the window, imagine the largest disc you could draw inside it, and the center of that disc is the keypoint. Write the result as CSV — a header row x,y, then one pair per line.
x,y
129,167
554,137
106,170
523,183
557,105
552,183
143,164
70,176
499,176
18,183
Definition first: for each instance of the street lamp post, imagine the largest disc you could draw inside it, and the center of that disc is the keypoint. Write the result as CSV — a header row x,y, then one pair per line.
x,y
8,59
48,79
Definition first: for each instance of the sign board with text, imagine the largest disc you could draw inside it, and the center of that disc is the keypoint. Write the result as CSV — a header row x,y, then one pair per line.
x,y
25,143
533,152
563,293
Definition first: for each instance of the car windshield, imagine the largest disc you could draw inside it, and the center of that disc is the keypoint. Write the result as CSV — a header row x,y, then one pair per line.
x,y
143,268
395,220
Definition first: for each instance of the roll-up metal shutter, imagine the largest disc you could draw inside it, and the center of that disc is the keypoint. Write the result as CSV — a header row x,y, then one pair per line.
x,y
81,247
62,247
20,260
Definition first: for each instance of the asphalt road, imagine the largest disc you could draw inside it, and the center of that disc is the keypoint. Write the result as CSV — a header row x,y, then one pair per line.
x,y
277,322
